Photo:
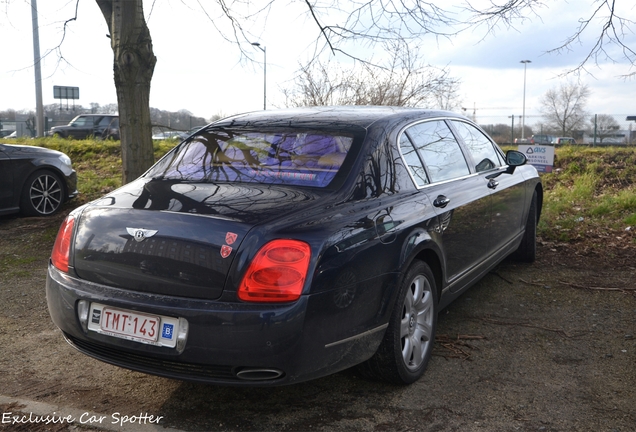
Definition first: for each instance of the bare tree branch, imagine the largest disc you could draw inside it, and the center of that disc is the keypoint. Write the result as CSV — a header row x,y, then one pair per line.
x,y
613,32
403,80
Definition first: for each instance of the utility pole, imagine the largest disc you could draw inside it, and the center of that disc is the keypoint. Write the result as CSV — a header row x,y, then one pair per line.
x,y
39,108
512,130
523,118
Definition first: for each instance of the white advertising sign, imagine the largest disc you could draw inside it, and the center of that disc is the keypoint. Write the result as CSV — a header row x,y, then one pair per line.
x,y
539,156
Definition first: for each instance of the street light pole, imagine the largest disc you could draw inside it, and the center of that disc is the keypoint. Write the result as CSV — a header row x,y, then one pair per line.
x,y
523,117
258,45
39,107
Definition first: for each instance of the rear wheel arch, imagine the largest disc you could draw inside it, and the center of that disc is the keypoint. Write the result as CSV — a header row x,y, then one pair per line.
x,y
430,257
426,250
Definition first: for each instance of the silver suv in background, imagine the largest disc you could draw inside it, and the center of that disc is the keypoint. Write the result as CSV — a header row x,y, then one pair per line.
x,y
563,141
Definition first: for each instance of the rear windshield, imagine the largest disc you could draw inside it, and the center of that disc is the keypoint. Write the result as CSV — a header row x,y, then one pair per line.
x,y
290,158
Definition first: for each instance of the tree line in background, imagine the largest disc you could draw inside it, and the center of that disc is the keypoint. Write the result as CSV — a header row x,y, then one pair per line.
x,y
404,81
564,112
57,114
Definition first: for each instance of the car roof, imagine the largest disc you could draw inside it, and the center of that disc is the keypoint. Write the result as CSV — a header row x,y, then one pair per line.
x,y
362,116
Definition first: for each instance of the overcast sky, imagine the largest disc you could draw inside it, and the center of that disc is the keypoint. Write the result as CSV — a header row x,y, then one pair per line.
x,y
198,71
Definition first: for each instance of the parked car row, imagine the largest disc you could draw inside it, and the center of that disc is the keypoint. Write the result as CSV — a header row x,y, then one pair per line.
x,y
546,140
280,246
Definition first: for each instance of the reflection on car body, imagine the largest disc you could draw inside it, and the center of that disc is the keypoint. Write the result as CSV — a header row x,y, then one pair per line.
x,y
288,245
178,135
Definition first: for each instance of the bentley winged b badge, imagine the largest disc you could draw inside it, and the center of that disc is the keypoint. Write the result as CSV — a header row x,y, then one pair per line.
x,y
139,234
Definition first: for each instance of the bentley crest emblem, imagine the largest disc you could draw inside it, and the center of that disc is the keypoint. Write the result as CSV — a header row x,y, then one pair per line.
x,y
226,251
139,234
230,238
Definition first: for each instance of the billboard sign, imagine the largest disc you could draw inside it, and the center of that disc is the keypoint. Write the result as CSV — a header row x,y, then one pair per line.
x,y
61,92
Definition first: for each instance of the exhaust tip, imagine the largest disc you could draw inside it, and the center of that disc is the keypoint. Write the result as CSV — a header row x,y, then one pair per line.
x,y
259,374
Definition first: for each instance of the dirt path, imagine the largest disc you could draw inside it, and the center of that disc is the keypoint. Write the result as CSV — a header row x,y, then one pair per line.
x,y
549,346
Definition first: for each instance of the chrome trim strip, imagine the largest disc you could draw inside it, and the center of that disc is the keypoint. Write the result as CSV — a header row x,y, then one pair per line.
x,y
366,333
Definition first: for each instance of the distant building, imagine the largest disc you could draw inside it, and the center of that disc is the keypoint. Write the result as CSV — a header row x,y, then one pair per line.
x,y
618,137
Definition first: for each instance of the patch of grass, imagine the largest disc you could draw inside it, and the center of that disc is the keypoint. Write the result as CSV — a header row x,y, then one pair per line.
x,y
590,194
14,260
630,220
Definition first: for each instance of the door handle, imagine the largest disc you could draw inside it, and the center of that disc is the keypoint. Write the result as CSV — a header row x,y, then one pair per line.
x,y
441,201
492,183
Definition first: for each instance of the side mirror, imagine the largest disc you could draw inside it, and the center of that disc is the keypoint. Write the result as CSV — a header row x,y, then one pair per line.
x,y
515,158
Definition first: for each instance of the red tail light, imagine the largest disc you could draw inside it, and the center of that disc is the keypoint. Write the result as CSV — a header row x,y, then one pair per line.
x,y
62,247
277,273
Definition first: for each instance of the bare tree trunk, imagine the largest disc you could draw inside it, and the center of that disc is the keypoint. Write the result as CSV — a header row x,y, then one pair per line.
x,y
134,64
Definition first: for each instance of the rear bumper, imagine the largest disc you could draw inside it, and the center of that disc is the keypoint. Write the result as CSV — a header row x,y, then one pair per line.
x,y
237,343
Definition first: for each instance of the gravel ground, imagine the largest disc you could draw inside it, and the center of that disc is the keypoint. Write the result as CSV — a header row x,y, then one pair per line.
x,y
549,346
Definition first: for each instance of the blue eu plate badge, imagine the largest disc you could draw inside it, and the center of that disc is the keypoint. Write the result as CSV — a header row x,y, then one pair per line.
x,y
168,331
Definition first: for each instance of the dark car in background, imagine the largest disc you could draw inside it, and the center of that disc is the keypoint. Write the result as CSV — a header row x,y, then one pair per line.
x,y
103,126
280,246
34,180
542,139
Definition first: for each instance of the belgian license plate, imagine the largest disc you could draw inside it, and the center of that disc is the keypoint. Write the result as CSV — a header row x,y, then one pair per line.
x,y
132,325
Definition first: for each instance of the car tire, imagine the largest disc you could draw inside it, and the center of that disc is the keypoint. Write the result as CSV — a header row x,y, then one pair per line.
x,y
527,251
42,194
407,346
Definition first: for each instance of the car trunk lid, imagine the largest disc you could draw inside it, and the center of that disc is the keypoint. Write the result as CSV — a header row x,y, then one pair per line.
x,y
160,252
176,238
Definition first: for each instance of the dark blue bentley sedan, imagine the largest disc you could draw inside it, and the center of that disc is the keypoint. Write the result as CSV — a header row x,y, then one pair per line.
x,y
275,247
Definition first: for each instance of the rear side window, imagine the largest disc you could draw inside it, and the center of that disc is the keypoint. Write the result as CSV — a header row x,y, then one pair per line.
x,y
437,147
291,158
480,147
413,161
105,121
